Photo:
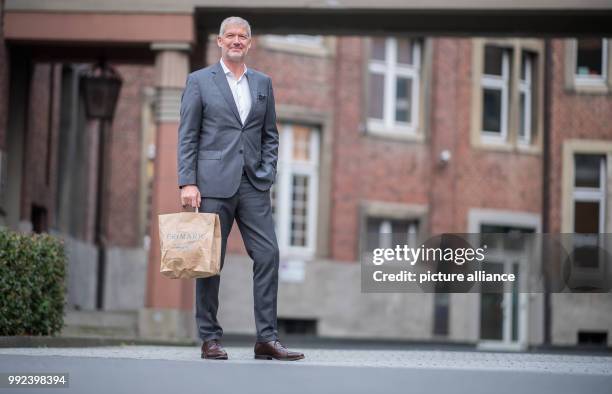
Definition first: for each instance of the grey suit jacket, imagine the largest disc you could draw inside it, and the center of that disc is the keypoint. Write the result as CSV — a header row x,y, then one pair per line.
x,y
214,145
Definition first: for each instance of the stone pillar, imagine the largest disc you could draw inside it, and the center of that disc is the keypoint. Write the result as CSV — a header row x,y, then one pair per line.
x,y
169,302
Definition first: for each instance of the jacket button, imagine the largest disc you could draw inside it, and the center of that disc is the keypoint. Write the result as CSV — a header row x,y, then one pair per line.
x,y
240,151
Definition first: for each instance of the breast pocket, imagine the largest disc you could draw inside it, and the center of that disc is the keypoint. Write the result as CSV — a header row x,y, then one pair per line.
x,y
210,155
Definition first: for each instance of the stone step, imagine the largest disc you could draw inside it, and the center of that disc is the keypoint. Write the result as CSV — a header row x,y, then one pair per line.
x,y
108,324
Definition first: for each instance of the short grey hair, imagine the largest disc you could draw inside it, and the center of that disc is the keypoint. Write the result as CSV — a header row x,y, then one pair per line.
x,y
234,20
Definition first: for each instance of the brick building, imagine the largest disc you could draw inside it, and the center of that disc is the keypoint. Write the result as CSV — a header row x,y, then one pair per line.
x,y
389,132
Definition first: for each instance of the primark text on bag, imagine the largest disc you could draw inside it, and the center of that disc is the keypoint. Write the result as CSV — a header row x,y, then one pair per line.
x,y
190,245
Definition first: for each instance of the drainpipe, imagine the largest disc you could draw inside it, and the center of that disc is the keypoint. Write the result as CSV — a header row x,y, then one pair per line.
x,y
548,63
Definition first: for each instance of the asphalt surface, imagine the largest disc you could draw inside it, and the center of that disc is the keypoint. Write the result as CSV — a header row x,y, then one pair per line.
x,y
168,369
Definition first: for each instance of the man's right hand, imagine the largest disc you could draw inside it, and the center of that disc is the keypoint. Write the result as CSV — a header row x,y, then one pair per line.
x,y
190,196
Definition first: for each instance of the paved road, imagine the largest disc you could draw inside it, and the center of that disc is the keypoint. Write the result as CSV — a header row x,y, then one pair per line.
x,y
160,369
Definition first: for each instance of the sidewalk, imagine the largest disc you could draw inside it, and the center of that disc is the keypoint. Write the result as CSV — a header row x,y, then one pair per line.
x,y
179,369
427,359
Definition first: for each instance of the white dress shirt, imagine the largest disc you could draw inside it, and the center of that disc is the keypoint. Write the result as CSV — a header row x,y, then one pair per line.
x,y
240,91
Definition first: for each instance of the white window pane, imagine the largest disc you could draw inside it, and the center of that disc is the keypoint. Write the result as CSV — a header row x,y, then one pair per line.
x,y
402,101
387,233
492,110
587,170
372,234
526,67
301,143
299,210
589,57
376,93
523,115
493,60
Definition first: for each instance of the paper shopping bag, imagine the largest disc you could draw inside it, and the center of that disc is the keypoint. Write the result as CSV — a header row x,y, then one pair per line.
x,y
190,244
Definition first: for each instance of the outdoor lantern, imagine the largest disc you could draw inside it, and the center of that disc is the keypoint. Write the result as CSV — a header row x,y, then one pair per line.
x,y
100,87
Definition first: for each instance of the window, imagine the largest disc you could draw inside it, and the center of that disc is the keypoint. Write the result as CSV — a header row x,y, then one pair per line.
x,y
508,94
495,89
589,193
294,195
592,338
591,61
588,64
393,85
387,233
588,258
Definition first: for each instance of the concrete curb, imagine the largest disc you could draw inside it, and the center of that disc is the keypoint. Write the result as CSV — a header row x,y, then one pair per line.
x,y
290,340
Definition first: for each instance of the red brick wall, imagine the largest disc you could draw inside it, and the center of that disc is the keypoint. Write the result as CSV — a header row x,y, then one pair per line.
x,y
348,155
40,168
371,168
573,115
475,178
125,154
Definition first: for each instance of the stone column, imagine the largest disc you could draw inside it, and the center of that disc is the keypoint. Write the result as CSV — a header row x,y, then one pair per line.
x,y
169,302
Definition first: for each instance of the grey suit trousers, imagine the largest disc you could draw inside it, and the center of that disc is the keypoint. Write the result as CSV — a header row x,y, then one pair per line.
x,y
252,210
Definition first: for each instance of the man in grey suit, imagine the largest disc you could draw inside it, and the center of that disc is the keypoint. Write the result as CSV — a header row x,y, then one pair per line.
x,y
227,155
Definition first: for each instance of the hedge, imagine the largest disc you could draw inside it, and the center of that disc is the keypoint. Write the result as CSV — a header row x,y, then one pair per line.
x,y
32,273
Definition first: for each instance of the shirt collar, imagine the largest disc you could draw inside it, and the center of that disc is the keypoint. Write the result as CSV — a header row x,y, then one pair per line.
x,y
228,71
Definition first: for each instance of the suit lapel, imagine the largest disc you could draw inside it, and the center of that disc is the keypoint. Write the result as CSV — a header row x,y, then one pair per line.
x,y
221,82
253,88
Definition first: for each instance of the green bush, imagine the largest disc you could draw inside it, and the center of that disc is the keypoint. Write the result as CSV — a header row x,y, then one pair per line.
x,y
32,271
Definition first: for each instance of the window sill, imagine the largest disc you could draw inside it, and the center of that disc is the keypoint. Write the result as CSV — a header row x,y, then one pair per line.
x,y
323,50
495,146
528,148
595,87
493,141
506,146
396,135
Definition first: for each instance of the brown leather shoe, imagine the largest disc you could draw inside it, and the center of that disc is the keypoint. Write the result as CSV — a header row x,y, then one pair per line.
x,y
213,350
275,350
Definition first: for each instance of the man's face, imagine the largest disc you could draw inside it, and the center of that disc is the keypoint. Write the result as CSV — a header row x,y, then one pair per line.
x,y
234,43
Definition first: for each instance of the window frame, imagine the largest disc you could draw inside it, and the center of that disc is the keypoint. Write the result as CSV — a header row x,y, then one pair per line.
x,y
581,273
603,86
588,80
592,194
495,82
572,147
386,227
390,69
287,167
391,211
517,49
525,86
